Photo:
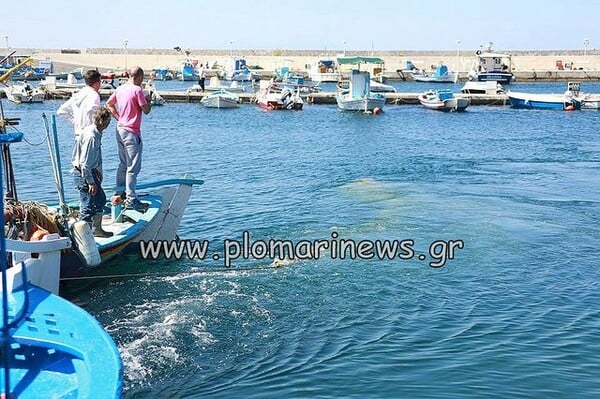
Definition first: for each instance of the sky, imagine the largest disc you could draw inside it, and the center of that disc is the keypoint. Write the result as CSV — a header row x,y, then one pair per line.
x,y
394,25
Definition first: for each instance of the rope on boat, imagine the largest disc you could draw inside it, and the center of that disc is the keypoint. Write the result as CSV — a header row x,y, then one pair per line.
x,y
170,274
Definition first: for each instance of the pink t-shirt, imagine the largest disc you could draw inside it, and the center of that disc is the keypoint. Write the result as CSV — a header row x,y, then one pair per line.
x,y
130,99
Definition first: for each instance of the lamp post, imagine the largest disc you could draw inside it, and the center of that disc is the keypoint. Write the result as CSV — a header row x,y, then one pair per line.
x,y
231,48
458,42
586,43
125,42
344,48
6,41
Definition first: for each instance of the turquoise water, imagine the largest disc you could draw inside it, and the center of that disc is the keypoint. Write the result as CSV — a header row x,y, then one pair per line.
x,y
516,313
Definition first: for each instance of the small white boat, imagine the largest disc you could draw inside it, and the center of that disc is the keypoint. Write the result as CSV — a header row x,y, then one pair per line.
x,y
443,100
356,94
590,101
153,94
215,85
377,87
221,99
325,70
237,70
24,93
485,87
440,75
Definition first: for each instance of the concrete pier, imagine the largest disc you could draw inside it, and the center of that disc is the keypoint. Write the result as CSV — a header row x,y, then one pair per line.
x,y
314,98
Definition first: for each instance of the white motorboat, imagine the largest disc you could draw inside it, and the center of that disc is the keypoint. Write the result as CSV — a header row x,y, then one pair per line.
x,y
23,92
221,99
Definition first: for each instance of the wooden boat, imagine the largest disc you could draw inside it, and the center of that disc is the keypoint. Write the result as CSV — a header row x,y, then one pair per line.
x,y
166,204
277,96
221,99
356,94
51,348
443,100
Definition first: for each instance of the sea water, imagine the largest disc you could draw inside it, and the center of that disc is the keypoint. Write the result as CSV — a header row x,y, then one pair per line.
x,y
514,313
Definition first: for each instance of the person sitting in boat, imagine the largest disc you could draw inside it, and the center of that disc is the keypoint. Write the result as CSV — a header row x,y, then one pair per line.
x,y
88,172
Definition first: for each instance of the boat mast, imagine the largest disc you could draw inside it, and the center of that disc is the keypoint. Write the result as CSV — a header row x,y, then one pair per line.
x,y
9,175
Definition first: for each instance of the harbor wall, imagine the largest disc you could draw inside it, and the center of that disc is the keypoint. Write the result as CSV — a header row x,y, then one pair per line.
x,y
529,65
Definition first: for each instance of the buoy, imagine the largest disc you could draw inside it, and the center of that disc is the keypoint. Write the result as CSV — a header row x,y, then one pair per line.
x,y
376,111
82,234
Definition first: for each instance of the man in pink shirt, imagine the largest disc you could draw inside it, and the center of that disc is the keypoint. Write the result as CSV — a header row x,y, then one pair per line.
x,y
126,105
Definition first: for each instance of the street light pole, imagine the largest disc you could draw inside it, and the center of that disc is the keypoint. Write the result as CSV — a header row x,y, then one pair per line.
x,y
231,48
458,42
344,48
6,41
586,43
125,42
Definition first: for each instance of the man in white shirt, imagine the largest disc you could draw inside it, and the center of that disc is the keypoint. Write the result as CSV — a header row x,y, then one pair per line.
x,y
79,109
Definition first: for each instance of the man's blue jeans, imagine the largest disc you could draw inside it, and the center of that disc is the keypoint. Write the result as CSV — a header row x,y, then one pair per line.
x,y
89,205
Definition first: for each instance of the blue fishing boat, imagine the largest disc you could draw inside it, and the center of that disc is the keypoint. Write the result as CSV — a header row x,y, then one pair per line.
x,y
51,348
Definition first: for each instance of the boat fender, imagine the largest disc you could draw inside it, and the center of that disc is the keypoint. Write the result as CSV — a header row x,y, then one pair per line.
x,y
82,235
376,111
569,108
330,70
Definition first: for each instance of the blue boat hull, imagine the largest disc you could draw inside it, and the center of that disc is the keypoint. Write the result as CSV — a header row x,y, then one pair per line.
x,y
534,104
60,351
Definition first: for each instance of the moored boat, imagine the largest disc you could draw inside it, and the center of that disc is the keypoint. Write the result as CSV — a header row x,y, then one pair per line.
x,y
543,101
356,94
276,96
23,92
441,75
221,99
568,101
443,100
490,65
325,70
